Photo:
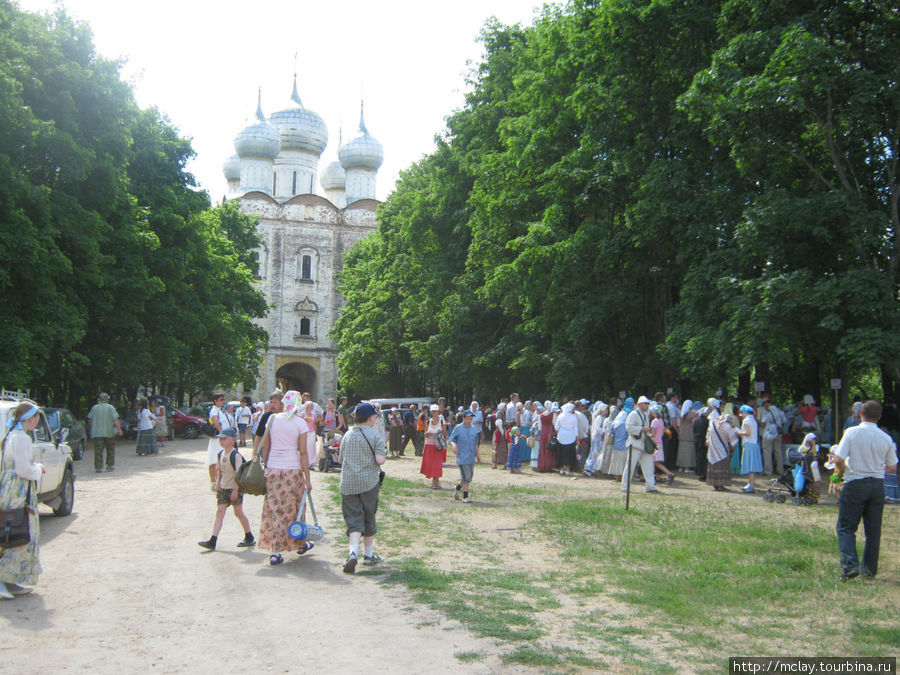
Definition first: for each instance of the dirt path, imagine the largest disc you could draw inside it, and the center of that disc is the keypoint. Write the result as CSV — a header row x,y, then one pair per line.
x,y
126,588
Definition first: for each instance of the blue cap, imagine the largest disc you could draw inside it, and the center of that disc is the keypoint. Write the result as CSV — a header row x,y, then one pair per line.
x,y
468,413
365,409
746,409
230,432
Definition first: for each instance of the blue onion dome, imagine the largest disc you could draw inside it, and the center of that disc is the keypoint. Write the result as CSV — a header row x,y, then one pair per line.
x,y
300,129
232,168
258,140
363,151
334,177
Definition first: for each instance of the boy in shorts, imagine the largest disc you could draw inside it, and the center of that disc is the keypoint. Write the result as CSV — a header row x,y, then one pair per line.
x,y
464,443
227,491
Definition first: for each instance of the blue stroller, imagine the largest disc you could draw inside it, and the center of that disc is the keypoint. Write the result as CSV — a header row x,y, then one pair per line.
x,y
797,481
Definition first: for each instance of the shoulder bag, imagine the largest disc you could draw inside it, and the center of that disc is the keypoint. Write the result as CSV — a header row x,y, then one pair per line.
x,y
15,529
251,476
380,472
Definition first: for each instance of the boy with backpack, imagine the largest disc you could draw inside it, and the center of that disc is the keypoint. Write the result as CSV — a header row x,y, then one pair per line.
x,y
227,491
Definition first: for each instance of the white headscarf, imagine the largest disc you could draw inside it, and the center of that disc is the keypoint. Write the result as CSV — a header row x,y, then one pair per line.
x,y
686,407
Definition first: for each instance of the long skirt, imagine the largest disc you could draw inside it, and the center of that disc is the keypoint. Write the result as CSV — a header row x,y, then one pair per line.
x,y
566,455
146,442
20,565
546,456
535,450
618,461
160,429
751,459
514,461
501,452
284,488
719,474
433,461
395,440
685,453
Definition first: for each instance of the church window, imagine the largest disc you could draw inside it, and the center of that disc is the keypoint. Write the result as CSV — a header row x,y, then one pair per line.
x,y
274,183
306,267
304,326
294,184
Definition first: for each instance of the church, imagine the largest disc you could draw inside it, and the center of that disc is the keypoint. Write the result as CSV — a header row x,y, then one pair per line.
x,y
275,175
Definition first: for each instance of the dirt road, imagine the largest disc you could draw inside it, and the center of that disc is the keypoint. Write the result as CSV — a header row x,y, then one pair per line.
x,y
125,588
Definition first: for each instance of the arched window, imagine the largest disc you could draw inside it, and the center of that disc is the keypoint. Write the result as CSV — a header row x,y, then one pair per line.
x,y
294,184
307,261
304,326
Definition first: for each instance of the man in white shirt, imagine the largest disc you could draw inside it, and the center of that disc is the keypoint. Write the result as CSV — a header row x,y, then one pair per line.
x,y
637,424
865,455
772,422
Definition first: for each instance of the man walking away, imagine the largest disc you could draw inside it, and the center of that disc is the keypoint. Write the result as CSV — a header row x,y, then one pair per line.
x,y
102,420
865,455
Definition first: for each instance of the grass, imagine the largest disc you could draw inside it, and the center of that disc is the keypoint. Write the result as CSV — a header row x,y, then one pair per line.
x,y
673,584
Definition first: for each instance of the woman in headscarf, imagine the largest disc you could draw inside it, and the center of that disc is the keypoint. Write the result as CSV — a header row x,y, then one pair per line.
x,y
751,452
595,459
500,447
535,435
546,456
659,428
617,457
525,422
566,426
720,439
285,454
685,459
19,478
309,416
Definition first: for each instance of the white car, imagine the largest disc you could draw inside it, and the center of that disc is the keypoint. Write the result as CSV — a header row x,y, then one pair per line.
x,y
57,486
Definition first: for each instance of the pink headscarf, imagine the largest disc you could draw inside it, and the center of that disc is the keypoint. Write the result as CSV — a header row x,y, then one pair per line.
x,y
291,402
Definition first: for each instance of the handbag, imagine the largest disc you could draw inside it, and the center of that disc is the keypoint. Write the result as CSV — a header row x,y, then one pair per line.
x,y
300,530
553,443
208,430
15,528
251,476
649,445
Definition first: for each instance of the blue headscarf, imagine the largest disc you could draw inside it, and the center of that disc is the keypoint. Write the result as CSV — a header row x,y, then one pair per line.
x,y
18,425
629,404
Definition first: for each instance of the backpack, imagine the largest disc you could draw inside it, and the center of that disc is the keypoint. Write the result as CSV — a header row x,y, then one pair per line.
x,y
620,434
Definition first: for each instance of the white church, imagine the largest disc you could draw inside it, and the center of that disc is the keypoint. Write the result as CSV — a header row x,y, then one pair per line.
x,y
304,233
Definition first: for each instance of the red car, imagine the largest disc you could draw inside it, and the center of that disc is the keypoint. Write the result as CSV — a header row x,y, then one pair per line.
x,y
186,425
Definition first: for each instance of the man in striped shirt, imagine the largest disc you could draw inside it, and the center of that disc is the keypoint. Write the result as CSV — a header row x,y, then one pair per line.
x,y
865,455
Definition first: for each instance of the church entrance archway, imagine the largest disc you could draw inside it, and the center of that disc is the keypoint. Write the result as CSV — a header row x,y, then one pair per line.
x,y
297,376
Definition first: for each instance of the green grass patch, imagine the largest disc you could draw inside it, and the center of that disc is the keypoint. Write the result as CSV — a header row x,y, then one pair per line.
x,y
468,657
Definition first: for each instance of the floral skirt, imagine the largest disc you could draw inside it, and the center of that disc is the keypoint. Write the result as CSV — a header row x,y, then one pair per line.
x,y
284,488
20,565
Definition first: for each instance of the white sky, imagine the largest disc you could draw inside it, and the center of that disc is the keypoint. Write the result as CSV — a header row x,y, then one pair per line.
x,y
201,61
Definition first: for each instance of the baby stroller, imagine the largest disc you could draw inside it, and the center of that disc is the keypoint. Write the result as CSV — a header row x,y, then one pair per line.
x,y
799,480
331,444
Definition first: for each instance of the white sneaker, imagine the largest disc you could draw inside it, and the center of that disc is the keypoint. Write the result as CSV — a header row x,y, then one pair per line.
x,y
4,592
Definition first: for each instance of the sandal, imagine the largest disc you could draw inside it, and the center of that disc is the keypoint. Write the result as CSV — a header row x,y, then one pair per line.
x,y
307,546
275,559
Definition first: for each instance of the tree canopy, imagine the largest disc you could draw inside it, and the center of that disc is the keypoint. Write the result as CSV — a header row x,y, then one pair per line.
x,y
114,270
646,193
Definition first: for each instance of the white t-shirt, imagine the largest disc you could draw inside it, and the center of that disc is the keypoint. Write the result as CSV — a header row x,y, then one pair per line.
x,y
145,420
243,415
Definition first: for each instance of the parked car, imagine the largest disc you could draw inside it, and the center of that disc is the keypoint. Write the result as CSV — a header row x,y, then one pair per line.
x,y
61,418
56,488
186,425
